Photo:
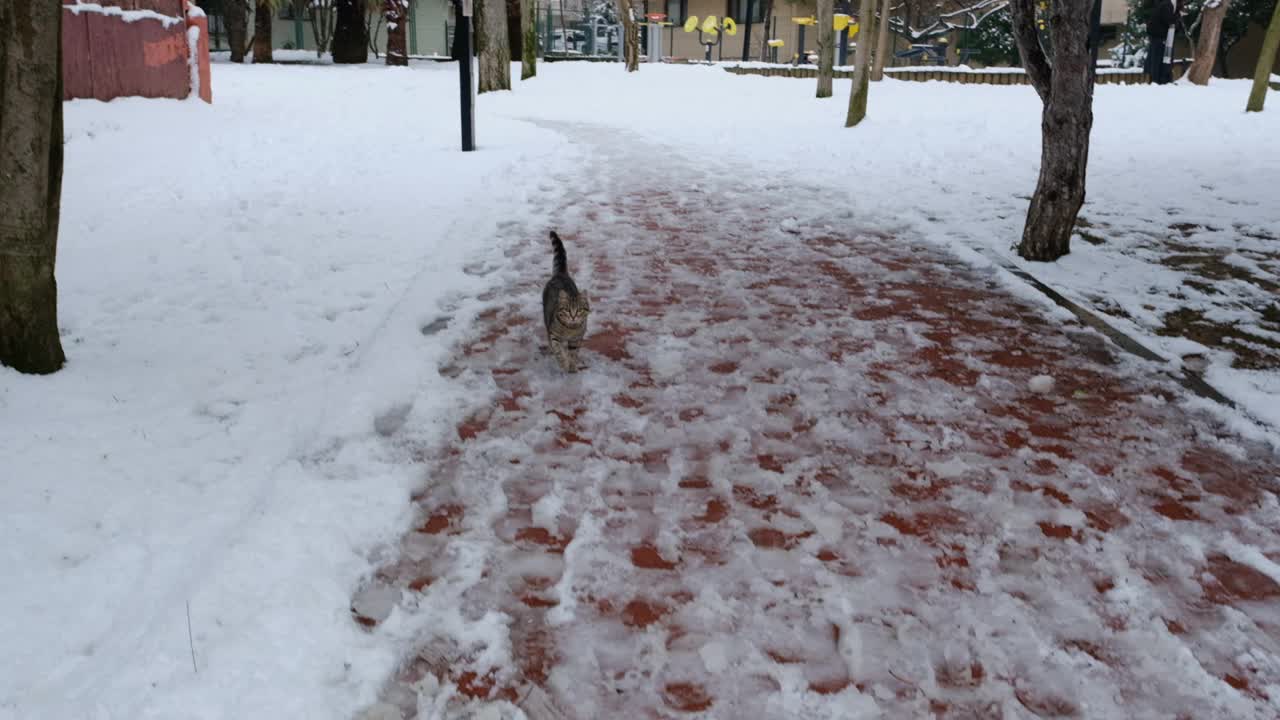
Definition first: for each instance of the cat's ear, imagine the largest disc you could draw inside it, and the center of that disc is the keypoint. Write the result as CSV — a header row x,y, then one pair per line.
x,y
586,304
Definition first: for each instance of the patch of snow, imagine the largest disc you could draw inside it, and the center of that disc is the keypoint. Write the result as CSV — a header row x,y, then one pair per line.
x,y
129,16
1251,556
1041,384
546,512
193,60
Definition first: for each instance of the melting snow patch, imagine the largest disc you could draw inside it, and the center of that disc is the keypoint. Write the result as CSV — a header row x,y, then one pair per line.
x,y
1041,384
952,468
546,512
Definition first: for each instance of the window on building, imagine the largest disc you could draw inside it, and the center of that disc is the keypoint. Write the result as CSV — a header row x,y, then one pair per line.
x,y
737,9
677,11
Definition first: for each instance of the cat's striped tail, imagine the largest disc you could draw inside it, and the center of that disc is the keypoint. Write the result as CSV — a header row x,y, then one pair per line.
x,y
561,264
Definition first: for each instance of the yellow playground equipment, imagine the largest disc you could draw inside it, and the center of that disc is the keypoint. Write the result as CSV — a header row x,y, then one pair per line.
x,y
840,21
709,31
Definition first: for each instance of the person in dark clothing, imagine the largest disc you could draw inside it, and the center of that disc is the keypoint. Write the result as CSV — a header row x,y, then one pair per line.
x,y
1163,14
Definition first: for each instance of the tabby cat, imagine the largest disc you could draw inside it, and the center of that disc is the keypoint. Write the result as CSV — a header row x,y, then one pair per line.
x,y
564,309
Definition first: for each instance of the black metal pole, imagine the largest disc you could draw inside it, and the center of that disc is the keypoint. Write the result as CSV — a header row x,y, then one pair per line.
x,y
746,35
843,52
800,56
466,95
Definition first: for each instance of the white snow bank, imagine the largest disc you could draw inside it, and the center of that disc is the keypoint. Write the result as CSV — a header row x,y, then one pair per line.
x,y
242,288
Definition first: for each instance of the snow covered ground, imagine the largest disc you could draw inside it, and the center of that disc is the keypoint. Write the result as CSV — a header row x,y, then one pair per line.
x,y
244,288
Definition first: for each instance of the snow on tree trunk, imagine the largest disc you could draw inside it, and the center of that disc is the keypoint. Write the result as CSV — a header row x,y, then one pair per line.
x,y
826,46
862,64
495,55
350,33
883,48
1207,49
397,13
30,183
1066,91
236,21
1266,61
262,17
528,40
630,36
766,13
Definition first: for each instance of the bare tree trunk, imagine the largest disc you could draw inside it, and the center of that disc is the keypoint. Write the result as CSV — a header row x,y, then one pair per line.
x,y
826,46
397,12
1266,61
495,55
30,183
528,40
515,40
883,48
322,25
1207,49
262,16
862,64
236,20
630,36
373,17
350,33
765,31
1066,90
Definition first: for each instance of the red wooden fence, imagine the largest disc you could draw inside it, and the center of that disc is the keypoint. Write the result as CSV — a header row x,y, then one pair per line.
x,y
118,48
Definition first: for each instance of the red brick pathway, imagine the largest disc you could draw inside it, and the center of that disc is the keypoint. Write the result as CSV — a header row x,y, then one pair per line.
x,y
805,476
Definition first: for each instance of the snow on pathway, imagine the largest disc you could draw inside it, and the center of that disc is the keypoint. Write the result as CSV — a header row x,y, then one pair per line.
x,y
813,472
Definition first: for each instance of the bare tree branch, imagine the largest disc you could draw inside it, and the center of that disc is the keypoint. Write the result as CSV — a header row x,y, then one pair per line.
x,y
967,16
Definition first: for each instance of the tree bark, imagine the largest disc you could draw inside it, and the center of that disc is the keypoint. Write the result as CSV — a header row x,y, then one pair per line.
x,y
495,55
826,46
515,38
1066,91
30,183
350,34
630,36
236,20
397,14
1207,49
862,65
528,40
883,48
1266,61
262,17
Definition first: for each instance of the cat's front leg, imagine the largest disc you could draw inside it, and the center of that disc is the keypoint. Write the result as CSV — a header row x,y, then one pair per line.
x,y
573,353
561,354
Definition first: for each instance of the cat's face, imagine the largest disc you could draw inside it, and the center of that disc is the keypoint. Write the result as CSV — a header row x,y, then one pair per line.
x,y
572,312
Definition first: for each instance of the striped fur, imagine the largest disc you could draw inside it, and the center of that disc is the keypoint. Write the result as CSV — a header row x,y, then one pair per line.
x,y
564,310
